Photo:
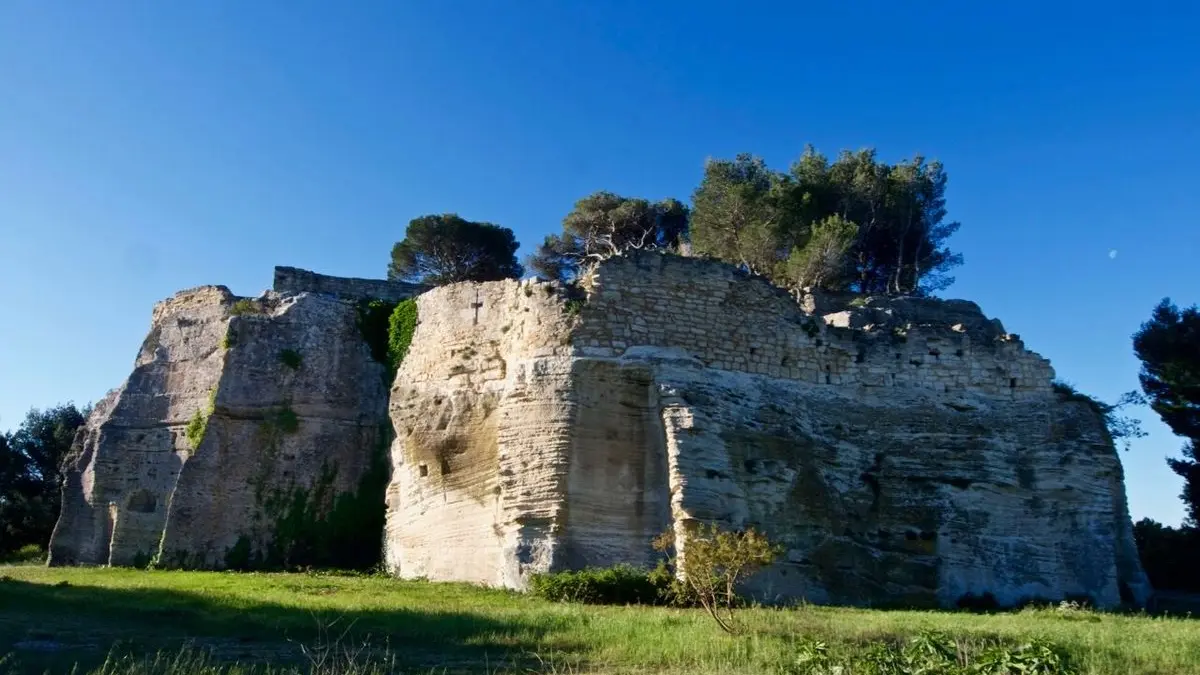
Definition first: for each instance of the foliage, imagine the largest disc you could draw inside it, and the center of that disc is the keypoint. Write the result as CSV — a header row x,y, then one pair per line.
x,y
198,424
1170,555
285,419
824,257
1168,346
1121,428
603,224
444,249
229,341
27,554
372,320
934,653
617,585
889,236
290,358
315,527
245,306
713,564
388,330
31,464
401,325
573,306
259,618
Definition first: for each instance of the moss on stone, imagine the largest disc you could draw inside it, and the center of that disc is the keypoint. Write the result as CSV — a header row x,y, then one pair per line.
x,y
314,527
290,358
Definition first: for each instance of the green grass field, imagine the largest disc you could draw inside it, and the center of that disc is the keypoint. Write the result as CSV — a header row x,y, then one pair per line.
x,y
57,618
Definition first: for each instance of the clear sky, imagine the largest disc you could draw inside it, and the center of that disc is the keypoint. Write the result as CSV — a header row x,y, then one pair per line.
x,y
147,147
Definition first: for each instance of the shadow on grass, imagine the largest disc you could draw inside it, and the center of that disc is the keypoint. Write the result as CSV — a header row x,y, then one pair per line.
x,y
55,626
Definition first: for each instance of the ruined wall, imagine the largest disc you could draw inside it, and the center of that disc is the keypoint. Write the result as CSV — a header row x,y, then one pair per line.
x,y
903,451
292,408
296,280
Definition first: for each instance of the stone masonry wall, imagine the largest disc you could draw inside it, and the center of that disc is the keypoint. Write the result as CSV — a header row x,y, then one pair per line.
x,y
296,280
729,322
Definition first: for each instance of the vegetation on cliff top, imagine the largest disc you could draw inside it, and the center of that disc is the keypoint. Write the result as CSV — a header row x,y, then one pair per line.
x,y
254,618
854,223
444,249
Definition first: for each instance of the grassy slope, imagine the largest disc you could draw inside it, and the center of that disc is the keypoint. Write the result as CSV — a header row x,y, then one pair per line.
x,y
252,617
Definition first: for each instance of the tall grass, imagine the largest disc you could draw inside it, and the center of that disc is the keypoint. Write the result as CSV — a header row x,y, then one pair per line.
x,y
323,622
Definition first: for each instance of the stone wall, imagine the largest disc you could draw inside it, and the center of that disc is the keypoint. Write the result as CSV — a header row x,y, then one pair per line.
x,y
296,280
903,451
729,322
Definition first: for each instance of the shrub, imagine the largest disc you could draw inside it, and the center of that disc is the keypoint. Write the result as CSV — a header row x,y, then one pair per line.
x,y
229,341
932,653
617,585
29,553
194,432
716,561
290,358
196,428
286,420
245,306
1120,427
401,326
372,323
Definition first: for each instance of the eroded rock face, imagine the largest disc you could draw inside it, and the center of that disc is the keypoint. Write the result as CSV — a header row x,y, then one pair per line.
x,y
903,452
293,411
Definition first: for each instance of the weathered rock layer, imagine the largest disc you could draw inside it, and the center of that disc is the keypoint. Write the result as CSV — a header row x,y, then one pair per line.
x,y
906,451
244,428
903,451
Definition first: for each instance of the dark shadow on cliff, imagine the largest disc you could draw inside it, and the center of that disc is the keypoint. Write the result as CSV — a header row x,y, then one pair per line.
x,y
48,628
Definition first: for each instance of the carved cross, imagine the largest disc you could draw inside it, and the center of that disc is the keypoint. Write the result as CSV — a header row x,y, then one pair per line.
x,y
476,305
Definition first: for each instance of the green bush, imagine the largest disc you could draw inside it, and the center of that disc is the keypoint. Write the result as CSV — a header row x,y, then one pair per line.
x,y
932,653
29,553
290,358
617,585
286,420
401,326
195,429
245,306
199,422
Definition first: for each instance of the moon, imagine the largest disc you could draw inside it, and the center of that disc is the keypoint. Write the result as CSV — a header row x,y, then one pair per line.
x,y
1112,254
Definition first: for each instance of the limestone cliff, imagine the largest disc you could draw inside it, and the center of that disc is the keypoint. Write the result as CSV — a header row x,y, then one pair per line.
x,y
903,451
244,428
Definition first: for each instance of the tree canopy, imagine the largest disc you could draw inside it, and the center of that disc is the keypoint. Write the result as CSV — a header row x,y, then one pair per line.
x,y
1168,346
30,474
444,249
604,223
856,223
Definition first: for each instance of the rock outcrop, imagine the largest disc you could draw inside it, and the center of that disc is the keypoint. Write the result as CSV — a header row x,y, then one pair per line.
x,y
247,427
903,451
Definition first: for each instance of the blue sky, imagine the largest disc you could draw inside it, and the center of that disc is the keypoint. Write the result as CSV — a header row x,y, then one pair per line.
x,y
147,147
